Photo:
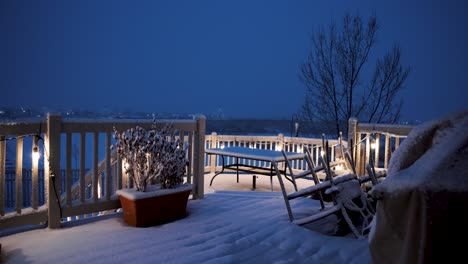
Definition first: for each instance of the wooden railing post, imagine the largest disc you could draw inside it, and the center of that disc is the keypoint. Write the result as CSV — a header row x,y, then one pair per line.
x,y
52,169
19,174
353,139
199,158
2,174
280,142
214,141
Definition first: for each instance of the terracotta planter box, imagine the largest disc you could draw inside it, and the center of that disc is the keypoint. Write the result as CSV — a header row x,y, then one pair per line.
x,y
155,206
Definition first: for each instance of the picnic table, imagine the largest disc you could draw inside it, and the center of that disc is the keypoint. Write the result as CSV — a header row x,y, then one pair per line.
x,y
254,161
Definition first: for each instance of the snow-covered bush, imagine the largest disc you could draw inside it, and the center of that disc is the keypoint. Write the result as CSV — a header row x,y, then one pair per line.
x,y
150,155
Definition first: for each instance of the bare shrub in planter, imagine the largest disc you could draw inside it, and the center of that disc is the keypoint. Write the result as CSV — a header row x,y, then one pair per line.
x,y
150,155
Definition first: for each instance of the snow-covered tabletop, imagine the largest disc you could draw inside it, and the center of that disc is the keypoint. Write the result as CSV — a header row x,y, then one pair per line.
x,y
255,154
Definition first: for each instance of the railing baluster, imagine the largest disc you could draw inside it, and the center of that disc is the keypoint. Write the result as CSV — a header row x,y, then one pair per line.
x,y
34,177
69,180
368,148
191,160
19,174
388,150
82,167
213,158
2,174
95,179
317,155
108,165
119,174
377,148
358,159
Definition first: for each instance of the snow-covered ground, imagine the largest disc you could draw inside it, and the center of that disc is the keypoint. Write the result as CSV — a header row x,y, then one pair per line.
x,y
232,224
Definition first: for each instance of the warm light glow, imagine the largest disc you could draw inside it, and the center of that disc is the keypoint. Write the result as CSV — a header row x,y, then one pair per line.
x,y
278,148
300,149
222,146
35,154
373,145
322,153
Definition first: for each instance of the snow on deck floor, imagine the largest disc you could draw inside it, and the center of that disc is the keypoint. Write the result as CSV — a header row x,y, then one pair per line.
x,y
224,227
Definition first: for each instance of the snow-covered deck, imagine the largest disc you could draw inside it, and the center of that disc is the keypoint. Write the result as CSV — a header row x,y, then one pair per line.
x,y
232,224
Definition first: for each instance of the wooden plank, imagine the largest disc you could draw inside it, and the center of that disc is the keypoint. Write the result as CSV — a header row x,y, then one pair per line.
x,y
283,191
317,154
54,185
82,166
68,158
368,148
21,128
19,174
34,177
402,130
95,179
322,214
199,158
190,158
91,207
34,218
115,174
119,174
2,174
376,151
213,158
388,150
104,126
321,186
108,165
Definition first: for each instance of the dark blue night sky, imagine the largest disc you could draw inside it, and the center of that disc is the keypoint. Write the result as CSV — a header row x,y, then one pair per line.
x,y
201,56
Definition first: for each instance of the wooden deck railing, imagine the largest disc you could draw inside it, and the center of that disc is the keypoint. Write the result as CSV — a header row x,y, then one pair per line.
x,y
94,191
374,142
292,144
104,178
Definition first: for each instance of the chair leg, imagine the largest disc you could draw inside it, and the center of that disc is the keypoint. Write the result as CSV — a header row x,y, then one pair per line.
x,y
350,222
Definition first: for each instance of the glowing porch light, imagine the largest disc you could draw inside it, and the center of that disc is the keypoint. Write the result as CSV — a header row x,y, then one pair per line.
x,y
373,144
35,154
322,153
222,146
278,148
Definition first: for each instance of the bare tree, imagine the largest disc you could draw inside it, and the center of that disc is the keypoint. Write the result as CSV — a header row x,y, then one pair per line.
x,y
338,83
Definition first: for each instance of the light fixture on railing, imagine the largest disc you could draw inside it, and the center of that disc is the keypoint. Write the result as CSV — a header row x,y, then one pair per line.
x,y
300,149
36,155
373,144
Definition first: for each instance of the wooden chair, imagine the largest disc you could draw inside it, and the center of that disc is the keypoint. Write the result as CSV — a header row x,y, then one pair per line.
x,y
345,190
